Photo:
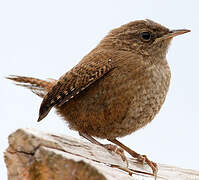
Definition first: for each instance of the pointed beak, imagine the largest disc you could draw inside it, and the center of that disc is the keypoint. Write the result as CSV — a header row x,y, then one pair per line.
x,y
172,33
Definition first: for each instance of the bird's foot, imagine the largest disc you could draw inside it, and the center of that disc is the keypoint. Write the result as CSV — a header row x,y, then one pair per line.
x,y
109,147
117,150
143,159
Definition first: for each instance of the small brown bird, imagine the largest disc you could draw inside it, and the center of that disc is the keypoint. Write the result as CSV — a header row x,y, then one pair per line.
x,y
114,90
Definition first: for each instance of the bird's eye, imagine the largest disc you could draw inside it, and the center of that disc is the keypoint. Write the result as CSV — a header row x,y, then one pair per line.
x,y
145,36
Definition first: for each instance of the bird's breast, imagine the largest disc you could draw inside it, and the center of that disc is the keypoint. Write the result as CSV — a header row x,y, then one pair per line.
x,y
148,94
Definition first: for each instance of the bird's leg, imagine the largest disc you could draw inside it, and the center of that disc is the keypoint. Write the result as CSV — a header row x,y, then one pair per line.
x,y
110,147
141,158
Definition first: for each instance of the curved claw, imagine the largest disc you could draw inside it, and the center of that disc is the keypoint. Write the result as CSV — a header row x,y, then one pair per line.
x,y
118,151
143,159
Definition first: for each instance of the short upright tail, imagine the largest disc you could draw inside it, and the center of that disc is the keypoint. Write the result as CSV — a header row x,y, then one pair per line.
x,y
37,86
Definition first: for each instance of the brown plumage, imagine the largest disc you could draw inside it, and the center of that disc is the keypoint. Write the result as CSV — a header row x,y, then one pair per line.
x,y
37,86
117,88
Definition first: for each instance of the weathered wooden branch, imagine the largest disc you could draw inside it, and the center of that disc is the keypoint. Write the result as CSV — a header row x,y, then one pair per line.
x,y
35,155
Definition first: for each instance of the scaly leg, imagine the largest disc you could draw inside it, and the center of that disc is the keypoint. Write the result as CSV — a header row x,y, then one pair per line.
x,y
110,147
141,158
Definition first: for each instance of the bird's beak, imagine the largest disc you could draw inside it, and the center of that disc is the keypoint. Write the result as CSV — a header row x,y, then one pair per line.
x,y
172,33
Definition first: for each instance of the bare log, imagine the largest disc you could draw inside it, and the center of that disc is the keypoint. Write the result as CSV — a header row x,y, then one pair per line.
x,y
36,155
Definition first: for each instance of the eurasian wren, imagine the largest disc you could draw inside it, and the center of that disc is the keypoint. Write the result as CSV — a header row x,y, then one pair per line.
x,y
114,90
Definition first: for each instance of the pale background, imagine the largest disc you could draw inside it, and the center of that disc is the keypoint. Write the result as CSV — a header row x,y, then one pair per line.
x,y
46,38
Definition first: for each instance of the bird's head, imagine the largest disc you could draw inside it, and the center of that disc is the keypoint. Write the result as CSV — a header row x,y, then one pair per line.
x,y
144,37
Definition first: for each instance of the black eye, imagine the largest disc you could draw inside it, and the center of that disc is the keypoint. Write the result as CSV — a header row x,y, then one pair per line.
x,y
145,36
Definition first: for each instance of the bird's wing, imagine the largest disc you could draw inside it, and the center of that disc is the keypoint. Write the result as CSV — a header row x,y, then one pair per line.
x,y
72,83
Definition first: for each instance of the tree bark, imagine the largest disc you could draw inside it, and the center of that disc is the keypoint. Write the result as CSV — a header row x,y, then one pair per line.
x,y
34,155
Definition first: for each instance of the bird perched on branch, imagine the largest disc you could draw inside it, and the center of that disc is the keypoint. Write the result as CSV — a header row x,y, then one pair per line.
x,y
114,90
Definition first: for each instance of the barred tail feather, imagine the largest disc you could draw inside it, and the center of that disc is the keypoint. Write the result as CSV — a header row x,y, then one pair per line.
x,y
37,86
